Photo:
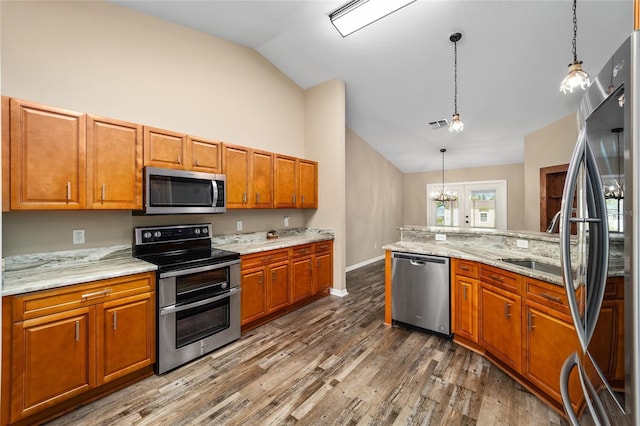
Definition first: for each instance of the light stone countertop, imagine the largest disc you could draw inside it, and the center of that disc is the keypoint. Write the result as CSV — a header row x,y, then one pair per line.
x,y
41,271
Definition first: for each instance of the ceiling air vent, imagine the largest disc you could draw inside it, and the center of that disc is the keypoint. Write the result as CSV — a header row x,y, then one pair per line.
x,y
438,124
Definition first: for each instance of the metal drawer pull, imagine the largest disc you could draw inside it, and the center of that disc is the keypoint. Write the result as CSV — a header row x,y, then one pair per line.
x,y
100,293
464,268
496,278
507,314
115,320
550,297
77,331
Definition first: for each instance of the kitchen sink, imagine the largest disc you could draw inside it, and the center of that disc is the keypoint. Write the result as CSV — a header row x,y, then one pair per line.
x,y
535,265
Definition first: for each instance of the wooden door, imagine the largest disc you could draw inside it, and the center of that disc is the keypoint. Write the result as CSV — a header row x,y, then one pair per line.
x,y
324,272
114,164
125,336
48,157
466,308
53,360
254,303
500,327
307,184
205,155
285,182
278,289
236,168
548,342
261,179
301,278
165,148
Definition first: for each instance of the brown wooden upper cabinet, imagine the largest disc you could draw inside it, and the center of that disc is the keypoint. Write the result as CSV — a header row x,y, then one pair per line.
x,y
48,157
249,177
174,150
114,164
6,154
295,182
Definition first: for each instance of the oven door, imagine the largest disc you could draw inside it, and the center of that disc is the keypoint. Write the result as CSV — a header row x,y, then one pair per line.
x,y
188,331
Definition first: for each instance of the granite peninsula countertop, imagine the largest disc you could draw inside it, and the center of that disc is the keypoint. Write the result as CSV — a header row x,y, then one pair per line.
x,y
41,271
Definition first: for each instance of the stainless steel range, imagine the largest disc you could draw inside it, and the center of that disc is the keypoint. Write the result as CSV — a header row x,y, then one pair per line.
x,y
198,291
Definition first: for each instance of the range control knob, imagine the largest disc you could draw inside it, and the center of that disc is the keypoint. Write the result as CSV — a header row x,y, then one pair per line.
x,y
157,234
196,231
146,235
205,231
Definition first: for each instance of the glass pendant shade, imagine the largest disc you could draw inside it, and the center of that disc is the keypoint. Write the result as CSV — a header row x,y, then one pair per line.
x,y
577,77
456,124
442,194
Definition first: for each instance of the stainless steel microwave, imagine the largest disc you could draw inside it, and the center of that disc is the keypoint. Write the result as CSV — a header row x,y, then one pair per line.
x,y
169,191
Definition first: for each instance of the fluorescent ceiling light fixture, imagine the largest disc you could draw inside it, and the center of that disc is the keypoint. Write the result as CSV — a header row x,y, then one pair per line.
x,y
359,13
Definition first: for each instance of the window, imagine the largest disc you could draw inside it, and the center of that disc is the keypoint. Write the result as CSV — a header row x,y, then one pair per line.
x,y
479,205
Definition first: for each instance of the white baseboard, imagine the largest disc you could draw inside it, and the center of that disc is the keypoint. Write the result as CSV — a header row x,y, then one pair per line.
x,y
339,293
364,263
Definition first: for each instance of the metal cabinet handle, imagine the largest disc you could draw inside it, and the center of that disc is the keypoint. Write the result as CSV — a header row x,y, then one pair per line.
x,y
68,190
257,197
260,280
195,162
530,318
551,297
302,198
244,198
273,275
464,268
496,278
507,314
103,191
77,331
115,320
293,198
179,160
95,294
464,293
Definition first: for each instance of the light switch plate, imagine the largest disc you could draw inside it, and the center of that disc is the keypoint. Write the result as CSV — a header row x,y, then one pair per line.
x,y
239,225
78,236
522,243
441,237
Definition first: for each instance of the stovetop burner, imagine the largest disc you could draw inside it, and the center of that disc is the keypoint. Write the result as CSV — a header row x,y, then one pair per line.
x,y
178,247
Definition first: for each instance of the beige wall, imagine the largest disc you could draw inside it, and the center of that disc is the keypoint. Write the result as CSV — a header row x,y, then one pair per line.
x,y
374,201
415,190
324,142
549,146
103,59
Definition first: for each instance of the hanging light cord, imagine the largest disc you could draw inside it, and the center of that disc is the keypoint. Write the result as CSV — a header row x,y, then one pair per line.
x,y
455,80
442,150
575,33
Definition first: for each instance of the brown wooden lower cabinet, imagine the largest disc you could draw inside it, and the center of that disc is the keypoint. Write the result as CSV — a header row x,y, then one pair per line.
x,y
65,344
278,281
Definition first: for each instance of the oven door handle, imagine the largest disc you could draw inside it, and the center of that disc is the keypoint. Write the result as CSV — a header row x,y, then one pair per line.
x,y
199,269
173,308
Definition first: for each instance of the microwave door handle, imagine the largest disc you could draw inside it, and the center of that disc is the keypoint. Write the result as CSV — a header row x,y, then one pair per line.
x,y
214,187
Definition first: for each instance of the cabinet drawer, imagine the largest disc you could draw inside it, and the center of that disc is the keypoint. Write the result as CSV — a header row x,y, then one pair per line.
x,y
550,295
500,278
264,258
324,246
46,302
300,251
466,268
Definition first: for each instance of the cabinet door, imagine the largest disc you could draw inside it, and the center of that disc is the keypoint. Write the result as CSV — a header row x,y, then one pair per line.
x,y
500,326
254,303
53,360
301,278
236,167
466,308
261,179
324,272
278,290
48,157
206,155
307,184
548,341
114,164
164,148
6,155
125,336
285,182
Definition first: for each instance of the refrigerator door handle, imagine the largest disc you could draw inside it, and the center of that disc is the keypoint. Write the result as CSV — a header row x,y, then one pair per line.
x,y
565,372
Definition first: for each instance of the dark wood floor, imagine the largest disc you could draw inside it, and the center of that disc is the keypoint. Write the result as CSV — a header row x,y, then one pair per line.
x,y
332,362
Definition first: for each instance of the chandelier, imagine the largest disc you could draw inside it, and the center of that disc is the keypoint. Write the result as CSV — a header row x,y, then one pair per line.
x,y
441,194
456,124
577,77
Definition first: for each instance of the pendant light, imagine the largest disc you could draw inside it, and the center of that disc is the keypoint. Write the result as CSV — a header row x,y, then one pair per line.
x,y
576,77
456,124
441,194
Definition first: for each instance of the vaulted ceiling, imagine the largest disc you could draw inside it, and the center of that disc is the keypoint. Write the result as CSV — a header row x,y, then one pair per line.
x,y
399,70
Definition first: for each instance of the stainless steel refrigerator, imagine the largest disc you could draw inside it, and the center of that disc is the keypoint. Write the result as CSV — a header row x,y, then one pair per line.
x,y
599,247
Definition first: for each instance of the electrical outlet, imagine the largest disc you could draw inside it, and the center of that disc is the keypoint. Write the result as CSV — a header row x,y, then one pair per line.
x,y
286,221
441,237
78,236
239,225
522,243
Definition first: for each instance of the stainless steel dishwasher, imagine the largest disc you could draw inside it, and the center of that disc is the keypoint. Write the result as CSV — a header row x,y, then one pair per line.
x,y
420,292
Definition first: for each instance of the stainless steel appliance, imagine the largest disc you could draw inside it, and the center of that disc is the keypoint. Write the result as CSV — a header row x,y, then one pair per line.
x,y
198,291
602,186
420,292
169,191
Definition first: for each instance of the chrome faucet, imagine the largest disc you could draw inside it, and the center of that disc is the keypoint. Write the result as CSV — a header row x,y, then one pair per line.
x,y
553,223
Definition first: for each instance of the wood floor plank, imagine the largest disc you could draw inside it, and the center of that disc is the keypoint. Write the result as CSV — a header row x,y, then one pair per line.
x,y
332,362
